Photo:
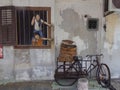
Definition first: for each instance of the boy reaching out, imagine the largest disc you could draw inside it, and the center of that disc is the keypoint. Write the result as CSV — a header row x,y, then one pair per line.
x,y
37,22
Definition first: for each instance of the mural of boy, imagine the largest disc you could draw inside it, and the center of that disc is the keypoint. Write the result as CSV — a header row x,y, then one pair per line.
x,y
37,23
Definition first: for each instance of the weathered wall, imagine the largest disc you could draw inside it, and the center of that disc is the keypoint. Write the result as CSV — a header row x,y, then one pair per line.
x,y
67,17
28,64
70,23
5,2
111,45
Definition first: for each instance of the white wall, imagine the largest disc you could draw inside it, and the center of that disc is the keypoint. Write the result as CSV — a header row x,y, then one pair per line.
x,y
5,2
111,45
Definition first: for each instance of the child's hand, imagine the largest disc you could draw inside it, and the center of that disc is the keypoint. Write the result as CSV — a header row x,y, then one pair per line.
x,y
49,25
50,39
33,18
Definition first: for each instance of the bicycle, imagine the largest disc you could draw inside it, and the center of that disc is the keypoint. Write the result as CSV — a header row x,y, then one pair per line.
x,y
68,74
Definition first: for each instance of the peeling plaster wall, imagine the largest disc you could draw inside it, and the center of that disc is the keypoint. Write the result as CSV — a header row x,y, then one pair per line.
x,y
70,24
28,64
111,44
7,64
34,64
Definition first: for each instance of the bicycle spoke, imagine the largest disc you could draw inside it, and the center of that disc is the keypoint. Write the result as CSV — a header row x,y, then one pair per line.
x,y
103,75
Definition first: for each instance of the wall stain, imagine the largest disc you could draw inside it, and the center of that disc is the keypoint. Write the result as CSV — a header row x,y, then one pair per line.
x,y
74,25
111,22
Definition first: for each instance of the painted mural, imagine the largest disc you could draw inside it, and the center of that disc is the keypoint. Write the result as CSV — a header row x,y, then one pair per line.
x,y
38,36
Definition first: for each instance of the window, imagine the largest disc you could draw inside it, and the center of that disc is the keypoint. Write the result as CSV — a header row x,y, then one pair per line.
x,y
17,21
92,24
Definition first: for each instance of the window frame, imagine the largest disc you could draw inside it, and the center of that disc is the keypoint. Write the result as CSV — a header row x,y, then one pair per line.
x,y
48,9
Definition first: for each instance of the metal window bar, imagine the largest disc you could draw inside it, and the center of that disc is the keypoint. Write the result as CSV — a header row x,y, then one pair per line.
x,y
18,27
20,39
29,20
24,36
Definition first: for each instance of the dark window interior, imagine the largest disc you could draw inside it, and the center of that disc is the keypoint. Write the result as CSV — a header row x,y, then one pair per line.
x,y
24,28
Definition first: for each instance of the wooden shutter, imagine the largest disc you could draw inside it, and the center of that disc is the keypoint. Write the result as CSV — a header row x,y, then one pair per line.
x,y
7,26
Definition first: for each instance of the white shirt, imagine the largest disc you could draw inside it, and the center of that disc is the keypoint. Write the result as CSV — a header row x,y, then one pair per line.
x,y
36,25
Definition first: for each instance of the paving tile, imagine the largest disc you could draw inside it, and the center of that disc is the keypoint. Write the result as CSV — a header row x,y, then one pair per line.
x,y
53,86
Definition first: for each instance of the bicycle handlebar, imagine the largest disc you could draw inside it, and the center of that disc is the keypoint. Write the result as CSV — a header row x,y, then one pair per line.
x,y
88,56
97,55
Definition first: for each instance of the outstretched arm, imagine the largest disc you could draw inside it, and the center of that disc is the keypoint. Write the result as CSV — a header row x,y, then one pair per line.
x,y
49,39
46,23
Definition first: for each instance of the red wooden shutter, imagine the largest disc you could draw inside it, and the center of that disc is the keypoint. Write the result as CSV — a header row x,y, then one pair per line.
x,y
7,26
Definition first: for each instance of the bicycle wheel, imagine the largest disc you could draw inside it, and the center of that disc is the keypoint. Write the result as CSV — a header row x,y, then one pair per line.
x,y
103,75
66,77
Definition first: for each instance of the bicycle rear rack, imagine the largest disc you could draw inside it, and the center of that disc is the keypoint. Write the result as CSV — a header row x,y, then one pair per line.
x,y
85,65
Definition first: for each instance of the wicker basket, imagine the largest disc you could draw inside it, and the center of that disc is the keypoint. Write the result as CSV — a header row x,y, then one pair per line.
x,y
67,51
